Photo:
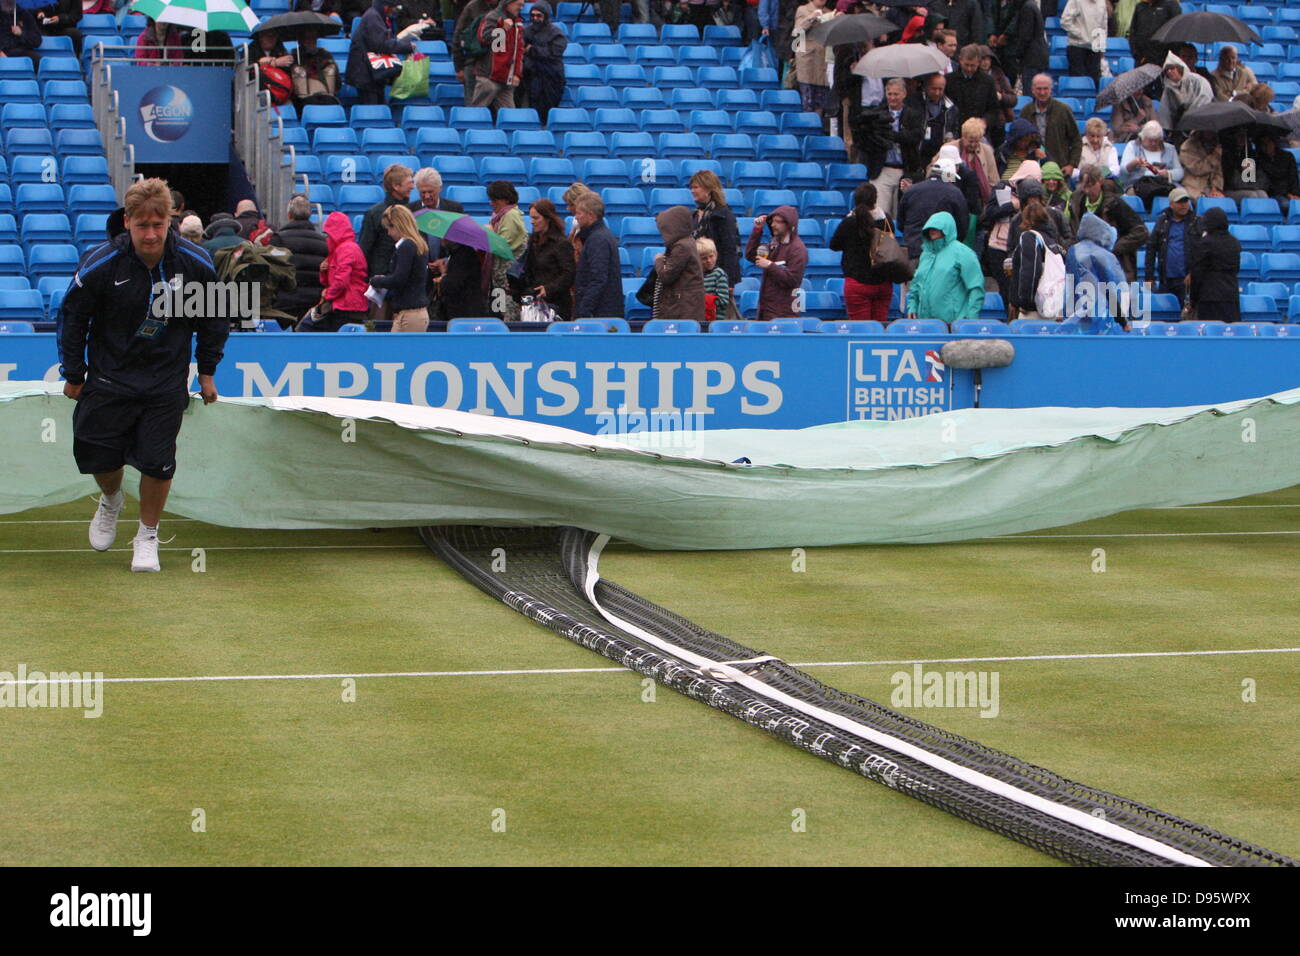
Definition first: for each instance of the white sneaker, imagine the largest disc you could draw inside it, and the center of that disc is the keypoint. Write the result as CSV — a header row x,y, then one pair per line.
x,y
145,557
103,527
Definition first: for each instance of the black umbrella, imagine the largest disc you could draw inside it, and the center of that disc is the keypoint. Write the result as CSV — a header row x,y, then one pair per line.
x,y
1220,116
1127,84
858,28
296,21
1205,28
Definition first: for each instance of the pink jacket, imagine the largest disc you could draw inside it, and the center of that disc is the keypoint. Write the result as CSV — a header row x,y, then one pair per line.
x,y
343,273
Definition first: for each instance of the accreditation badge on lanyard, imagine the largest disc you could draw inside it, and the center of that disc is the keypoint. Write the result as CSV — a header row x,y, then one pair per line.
x,y
153,325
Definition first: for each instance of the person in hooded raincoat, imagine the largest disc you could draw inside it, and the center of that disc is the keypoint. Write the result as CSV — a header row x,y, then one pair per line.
x,y
544,47
783,266
679,291
1215,259
949,283
1101,289
1184,90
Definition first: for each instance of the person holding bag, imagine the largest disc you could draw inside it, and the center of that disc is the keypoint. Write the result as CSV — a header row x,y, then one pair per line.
x,y
870,257
373,42
548,261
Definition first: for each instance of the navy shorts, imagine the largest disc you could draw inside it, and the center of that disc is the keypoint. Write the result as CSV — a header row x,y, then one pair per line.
x,y
110,430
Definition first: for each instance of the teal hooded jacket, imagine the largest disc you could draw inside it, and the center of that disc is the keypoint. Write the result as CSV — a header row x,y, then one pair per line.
x,y
949,283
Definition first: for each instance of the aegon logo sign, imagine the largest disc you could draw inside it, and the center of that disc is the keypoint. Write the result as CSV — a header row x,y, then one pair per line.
x,y
528,389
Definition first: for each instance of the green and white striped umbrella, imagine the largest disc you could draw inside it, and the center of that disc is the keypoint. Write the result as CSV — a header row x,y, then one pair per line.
x,y
230,16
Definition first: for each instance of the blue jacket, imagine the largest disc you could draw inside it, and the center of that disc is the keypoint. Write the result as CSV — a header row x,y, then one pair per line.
x,y
769,15
598,284
1094,267
106,306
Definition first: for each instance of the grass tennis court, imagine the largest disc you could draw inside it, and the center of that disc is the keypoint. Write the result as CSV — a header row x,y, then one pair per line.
x,y
415,770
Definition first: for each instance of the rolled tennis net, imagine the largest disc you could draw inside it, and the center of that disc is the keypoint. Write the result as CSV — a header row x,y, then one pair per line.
x,y
551,576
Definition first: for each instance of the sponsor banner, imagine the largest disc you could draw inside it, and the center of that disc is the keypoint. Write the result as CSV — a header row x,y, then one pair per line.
x,y
897,377
621,383
175,114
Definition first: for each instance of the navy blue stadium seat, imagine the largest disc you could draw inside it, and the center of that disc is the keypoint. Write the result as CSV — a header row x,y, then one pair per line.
x,y
617,120
549,171
363,116
778,147
736,100
484,142
604,54
825,149
352,198
39,197
12,260
672,77
375,141
334,139
852,327
465,326
64,91
732,146
70,116
470,117
46,227
428,139
601,173
718,77
51,259
672,327
91,198
20,91
651,171
630,144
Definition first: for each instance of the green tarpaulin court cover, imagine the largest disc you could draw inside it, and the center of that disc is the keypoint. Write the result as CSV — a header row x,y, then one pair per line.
x,y
300,462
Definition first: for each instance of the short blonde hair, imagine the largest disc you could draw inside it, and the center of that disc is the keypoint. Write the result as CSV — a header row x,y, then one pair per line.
x,y
149,197
574,192
706,246
974,127
1096,125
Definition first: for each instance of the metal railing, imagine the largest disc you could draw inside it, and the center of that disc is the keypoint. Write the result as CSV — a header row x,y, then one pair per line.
x,y
259,139
107,114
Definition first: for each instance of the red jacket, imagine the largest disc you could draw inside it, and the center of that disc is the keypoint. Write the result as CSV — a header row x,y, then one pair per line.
x,y
505,60
343,274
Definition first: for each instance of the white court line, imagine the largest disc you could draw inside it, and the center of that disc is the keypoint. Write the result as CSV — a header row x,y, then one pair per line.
x,y
416,547
82,521
263,547
524,672
1029,536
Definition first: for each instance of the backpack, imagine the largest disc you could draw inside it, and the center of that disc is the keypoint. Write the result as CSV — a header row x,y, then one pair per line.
x,y
469,41
1050,294
271,267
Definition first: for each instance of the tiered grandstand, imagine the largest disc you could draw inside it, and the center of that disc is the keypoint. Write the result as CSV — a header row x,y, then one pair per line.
x,y
643,110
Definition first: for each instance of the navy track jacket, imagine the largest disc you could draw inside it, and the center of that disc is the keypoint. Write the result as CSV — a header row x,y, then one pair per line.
x,y
107,305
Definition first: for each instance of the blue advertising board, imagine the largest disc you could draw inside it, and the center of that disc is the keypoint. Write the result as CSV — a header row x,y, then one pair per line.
x,y
175,114
628,383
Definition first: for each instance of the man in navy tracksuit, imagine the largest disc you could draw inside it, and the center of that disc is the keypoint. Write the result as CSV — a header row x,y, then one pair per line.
x,y
132,392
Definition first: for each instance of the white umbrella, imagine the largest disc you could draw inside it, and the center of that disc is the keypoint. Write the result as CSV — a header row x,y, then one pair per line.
x,y
901,59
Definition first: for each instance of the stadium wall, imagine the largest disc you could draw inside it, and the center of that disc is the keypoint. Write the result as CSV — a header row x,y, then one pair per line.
x,y
629,383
